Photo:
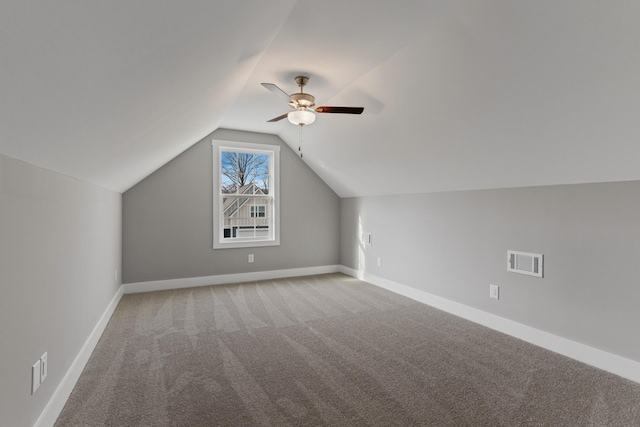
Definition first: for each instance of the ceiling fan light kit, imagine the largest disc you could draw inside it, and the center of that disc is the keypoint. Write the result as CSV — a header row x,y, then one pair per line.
x,y
301,117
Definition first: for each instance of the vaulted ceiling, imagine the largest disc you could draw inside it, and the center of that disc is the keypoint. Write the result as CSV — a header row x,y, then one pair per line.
x,y
457,94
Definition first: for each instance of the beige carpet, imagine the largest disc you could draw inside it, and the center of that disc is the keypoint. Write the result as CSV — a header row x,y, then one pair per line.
x,y
327,350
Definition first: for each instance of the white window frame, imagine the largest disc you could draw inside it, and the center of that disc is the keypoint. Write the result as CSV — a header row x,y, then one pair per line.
x,y
219,242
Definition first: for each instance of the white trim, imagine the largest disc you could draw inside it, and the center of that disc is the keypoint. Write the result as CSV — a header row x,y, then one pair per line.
x,y
51,412
609,362
191,282
246,146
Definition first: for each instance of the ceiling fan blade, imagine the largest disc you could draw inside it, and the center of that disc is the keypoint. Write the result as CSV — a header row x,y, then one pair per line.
x,y
340,110
277,119
279,92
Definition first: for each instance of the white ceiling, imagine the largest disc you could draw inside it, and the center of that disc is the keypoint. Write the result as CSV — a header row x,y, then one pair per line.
x,y
457,94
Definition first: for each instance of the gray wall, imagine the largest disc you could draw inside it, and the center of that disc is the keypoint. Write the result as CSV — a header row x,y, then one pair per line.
x,y
59,248
167,219
455,244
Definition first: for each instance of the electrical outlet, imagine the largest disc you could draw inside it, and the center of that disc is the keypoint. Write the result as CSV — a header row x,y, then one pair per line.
x,y
379,262
35,376
250,259
44,367
494,291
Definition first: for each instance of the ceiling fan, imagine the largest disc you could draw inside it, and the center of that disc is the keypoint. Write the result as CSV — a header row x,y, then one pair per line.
x,y
303,104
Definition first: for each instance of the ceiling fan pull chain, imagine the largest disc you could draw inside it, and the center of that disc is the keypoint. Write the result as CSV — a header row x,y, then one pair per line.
x,y
300,140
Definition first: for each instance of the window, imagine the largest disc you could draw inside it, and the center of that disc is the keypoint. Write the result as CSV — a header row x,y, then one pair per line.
x,y
258,211
245,199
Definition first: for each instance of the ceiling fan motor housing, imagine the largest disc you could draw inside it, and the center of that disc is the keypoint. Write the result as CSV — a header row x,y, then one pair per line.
x,y
303,99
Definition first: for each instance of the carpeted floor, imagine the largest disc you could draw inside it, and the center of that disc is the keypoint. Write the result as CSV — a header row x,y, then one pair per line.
x,y
327,350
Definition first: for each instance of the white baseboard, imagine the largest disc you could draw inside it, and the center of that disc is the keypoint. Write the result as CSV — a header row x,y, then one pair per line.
x,y
191,282
609,362
51,412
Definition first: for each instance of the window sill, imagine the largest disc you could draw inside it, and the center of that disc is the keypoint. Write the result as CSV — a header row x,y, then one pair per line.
x,y
245,244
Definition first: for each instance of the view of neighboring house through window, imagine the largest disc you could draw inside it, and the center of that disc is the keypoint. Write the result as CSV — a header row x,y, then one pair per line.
x,y
245,196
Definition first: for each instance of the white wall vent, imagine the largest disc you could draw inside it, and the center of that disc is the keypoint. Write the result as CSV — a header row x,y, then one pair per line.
x,y
525,263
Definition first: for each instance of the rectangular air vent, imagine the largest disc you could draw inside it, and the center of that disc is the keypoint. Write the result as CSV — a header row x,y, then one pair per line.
x,y
525,263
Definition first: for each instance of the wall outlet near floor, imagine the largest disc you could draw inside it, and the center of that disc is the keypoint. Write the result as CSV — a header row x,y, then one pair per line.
x,y
250,258
494,291
379,262
35,376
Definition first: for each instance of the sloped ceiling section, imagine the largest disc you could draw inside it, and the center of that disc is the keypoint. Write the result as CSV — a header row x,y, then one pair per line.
x,y
109,91
457,94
